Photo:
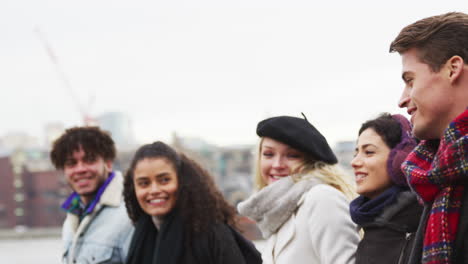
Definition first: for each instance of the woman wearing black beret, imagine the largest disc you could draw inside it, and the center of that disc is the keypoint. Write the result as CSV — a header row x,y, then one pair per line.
x,y
386,209
303,199
179,214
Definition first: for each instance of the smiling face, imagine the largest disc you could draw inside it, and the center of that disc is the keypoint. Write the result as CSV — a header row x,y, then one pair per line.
x,y
278,160
427,96
85,173
156,185
370,164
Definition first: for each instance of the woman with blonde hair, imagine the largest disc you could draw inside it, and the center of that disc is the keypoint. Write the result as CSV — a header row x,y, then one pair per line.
x,y
302,203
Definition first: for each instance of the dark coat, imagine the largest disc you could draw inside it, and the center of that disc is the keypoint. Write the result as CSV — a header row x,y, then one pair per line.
x,y
461,241
389,238
222,244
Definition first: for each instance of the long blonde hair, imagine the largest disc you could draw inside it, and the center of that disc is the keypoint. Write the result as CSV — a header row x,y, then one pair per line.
x,y
332,175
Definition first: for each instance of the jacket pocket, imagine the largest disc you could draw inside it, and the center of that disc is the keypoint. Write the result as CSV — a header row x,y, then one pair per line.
x,y
95,254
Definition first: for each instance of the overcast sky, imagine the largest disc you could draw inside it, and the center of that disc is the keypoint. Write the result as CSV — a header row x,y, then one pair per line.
x,y
204,68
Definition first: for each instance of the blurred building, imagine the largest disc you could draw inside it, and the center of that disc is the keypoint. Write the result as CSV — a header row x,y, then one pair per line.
x,y
231,167
7,193
120,127
344,151
236,170
19,140
52,131
31,191
44,192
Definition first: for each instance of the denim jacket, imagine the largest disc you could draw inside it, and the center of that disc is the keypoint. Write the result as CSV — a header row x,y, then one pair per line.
x,y
104,235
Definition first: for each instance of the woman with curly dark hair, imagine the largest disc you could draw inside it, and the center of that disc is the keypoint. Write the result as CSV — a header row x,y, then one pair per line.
x,y
179,214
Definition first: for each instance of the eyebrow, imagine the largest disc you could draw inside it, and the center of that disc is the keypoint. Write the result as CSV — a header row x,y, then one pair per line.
x,y
162,174
270,147
365,146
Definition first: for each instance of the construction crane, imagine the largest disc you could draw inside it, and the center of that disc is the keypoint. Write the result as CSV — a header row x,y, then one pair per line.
x,y
84,111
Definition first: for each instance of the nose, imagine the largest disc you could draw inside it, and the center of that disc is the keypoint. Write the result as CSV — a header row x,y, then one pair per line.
x,y
404,99
356,162
154,188
278,162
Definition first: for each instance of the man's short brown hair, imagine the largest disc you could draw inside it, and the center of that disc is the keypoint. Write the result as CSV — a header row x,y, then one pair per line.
x,y
94,142
436,38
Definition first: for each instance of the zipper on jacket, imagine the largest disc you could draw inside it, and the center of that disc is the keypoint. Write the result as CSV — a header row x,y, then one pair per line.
x,y
408,237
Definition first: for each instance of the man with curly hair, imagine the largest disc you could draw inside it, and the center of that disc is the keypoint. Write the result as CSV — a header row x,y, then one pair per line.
x,y
97,228
434,54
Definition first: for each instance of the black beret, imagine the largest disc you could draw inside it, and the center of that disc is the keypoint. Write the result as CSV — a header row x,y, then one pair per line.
x,y
299,134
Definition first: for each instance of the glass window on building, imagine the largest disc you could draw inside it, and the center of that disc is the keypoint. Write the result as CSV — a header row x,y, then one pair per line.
x,y
19,211
18,183
19,197
17,169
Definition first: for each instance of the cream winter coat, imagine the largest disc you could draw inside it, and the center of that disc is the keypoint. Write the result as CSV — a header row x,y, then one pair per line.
x,y
303,222
320,231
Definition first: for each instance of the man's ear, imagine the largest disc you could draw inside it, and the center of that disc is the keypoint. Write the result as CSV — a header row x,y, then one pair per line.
x,y
455,67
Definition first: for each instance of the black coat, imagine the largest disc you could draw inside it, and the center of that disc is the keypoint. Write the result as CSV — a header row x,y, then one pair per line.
x,y
222,244
389,238
461,241
173,244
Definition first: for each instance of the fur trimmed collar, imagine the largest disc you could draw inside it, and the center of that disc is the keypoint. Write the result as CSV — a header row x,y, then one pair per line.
x,y
274,204
112,195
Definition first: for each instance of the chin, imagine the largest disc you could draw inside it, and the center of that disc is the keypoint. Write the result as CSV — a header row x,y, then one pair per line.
x,y
362,191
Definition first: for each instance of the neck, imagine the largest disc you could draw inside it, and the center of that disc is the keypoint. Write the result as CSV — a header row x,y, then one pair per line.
x,y
157,221
86,199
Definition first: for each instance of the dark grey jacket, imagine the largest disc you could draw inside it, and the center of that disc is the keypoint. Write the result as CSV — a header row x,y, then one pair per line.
x,y
389,239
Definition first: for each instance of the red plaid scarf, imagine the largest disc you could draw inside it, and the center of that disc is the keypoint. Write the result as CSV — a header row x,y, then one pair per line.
x,y
436,172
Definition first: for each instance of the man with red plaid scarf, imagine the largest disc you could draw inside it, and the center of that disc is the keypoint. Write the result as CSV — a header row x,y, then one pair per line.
x,y
434,55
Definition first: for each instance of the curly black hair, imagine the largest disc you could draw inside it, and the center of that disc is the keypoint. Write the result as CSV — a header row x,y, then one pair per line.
x,y
198,199
94,142
386,126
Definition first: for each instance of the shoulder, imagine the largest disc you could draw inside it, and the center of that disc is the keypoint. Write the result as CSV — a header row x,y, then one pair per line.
x,y
325,202
114,219
405,205
217,237
217,245
324,193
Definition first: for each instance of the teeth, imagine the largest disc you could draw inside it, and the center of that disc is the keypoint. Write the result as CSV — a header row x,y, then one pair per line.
x,y
156,200
360,177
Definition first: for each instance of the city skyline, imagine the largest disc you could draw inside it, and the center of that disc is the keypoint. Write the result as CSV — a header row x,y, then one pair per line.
x,y
206,69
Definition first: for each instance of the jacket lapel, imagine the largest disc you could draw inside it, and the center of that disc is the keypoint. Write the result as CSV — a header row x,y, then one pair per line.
x,y
285,234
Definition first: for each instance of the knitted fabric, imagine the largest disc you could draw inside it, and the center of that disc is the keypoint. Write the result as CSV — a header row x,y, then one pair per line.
x,y
437,171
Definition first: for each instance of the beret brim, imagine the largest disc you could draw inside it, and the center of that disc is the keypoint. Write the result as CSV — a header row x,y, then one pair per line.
x,y
299,134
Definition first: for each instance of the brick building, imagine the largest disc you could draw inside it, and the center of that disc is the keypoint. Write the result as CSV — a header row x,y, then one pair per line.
x,y
31,192
7,201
